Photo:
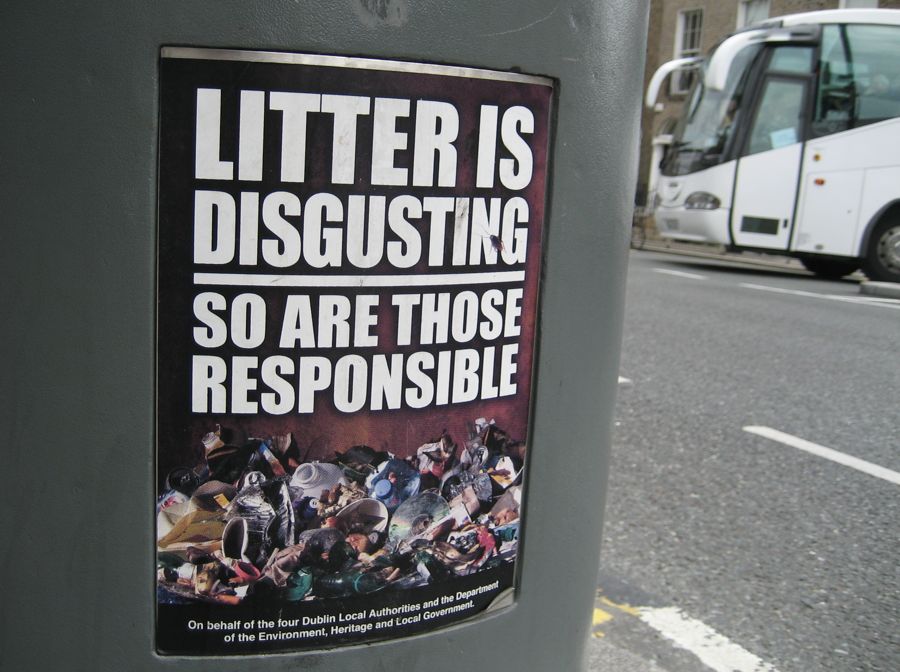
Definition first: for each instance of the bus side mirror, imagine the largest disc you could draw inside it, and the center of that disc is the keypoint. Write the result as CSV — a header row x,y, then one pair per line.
x,y
724,55
660,75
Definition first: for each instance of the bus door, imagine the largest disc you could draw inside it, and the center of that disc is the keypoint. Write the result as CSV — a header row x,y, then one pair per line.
x,y
768,172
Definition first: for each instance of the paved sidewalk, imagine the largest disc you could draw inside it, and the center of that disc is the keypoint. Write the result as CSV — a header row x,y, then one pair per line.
x,y
888,290
718,252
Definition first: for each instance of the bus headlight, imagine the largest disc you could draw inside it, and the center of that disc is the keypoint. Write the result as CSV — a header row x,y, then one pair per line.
x,y
702,200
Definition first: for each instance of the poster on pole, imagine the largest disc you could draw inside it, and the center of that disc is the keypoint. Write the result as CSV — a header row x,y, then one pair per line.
x,y
348,275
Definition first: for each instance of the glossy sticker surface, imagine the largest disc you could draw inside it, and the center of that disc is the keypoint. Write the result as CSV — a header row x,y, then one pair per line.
x,y
348,271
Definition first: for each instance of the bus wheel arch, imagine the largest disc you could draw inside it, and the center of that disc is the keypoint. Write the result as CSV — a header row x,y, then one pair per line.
x,y
881,248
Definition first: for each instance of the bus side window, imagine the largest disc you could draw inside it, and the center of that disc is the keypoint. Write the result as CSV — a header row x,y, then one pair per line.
x,y
834,100
877,49
791,59
859,77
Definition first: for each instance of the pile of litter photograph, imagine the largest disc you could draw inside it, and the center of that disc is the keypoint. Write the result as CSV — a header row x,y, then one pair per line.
x,y
254,522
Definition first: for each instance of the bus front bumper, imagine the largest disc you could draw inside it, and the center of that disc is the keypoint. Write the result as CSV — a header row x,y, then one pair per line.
x,y
696,226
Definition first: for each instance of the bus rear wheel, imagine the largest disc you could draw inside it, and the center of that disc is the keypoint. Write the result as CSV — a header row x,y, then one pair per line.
x,y
827,267
882,260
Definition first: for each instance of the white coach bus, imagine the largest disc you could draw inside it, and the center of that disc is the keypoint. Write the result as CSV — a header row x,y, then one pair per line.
x,y
789,143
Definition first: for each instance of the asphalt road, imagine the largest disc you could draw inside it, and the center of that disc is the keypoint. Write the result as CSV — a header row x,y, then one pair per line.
x,y
788,557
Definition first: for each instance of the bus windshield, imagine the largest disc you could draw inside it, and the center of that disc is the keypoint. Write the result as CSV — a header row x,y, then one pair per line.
x,y
704,130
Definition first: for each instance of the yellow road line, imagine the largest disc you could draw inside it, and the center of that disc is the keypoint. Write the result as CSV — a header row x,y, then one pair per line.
x,y
626,608
601,617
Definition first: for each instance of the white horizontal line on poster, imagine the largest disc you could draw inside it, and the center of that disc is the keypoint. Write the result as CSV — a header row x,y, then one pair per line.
x,y
361,281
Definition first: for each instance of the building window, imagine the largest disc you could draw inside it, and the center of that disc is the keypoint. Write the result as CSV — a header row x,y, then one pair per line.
x,y
687,44
752,11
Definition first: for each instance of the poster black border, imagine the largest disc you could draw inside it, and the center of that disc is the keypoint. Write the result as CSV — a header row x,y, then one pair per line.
x,y
508,575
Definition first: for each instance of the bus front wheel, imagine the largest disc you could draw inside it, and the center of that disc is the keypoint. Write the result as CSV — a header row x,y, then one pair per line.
x,y
828,267
882,260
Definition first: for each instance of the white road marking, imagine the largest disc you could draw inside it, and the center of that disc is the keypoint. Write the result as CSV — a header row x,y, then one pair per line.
x,y
868,298
827,453
713,649
863,300
679,274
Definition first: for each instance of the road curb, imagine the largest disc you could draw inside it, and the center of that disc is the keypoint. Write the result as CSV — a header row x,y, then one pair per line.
x,y
788,264
719,254
890,290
